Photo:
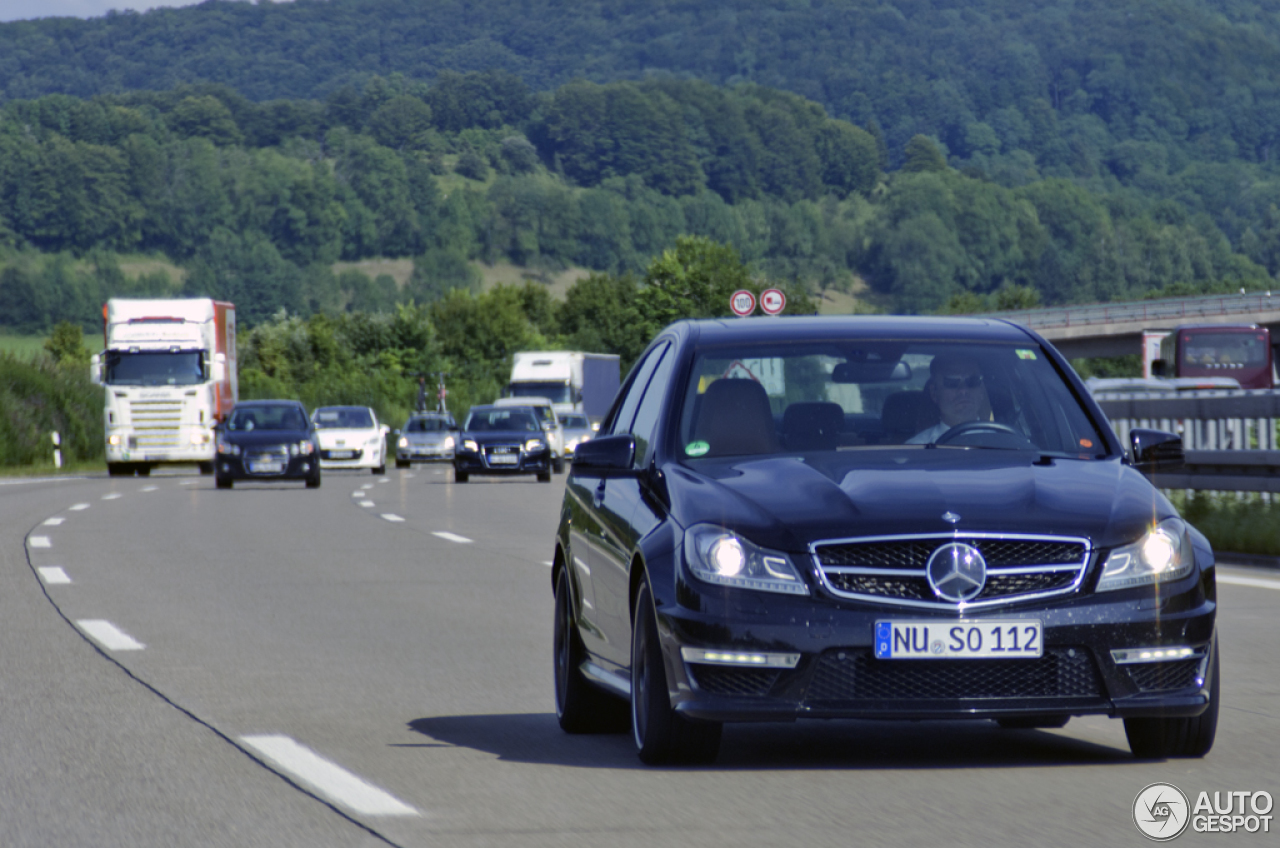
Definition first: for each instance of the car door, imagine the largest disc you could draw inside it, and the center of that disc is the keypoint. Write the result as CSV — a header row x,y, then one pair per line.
x,y
619,500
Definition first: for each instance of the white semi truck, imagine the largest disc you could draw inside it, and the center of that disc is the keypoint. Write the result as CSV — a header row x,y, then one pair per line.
x,y
572,380
169,369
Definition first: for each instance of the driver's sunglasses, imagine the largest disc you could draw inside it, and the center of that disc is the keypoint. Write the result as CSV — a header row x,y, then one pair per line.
x,y
973,381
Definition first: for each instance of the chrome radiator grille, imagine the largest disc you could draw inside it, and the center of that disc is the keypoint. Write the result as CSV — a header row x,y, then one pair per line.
x,y
156,423
893,570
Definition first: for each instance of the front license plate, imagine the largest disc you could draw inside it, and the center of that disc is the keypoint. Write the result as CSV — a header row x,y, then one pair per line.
x,y
503,459
341,454
959,640
266,467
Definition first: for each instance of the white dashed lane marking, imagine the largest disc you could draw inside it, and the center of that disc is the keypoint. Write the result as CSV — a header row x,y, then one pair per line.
x,y
53,574
150,488
40,542
112,496
366,504
391,516
108,635
329,779
53,522
452,537
79,507
548,563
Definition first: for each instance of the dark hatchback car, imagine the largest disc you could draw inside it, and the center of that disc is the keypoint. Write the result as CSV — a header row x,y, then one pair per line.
x,y
267,440
502,440
887,518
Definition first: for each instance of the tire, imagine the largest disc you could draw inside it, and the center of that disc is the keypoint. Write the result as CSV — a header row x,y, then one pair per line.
x,y
206,468
660,733
223,482
557,465
313,482
580,707
1158,738
401,463
118,469
381,469
1033,722
544,476
144,470
460,476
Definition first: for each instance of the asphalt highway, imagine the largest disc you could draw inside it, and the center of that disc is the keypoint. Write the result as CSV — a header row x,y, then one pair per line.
x,y
369,664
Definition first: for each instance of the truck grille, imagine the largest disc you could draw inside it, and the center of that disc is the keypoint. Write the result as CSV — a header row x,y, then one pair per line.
x,y
893,570
156,423
855,675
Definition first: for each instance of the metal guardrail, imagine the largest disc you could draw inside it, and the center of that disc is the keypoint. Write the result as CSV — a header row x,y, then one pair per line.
x,y
1168,310
1230,438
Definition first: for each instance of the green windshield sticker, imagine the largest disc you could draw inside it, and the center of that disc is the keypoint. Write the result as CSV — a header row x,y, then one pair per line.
x,y
696,448
1023,353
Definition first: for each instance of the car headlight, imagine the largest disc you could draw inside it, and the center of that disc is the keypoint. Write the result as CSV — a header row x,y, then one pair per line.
x,y
403,443
717,555
306,448
228,448
470,444
533,445
448,442
1163,553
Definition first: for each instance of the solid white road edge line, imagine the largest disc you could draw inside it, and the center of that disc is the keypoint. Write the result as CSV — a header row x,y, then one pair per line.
x,y
53,574
452,537
1256,582
40,542
108,635
330,780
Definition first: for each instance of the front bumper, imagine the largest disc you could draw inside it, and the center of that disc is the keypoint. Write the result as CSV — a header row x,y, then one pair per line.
x,y
236,468
349,457
470,462
424,453
838,676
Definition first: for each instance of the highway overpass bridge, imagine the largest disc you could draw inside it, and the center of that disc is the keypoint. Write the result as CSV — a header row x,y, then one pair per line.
x,y
1115,329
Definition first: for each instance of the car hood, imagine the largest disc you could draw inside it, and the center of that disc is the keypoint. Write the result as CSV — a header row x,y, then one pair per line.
x,y
348,437
789,502
489,437
251,438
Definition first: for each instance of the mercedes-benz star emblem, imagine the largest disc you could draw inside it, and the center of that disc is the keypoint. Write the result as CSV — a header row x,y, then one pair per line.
x,y
957,572
950,517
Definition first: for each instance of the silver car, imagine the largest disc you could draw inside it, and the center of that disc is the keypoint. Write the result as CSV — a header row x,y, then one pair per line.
x,y
426,437
577,429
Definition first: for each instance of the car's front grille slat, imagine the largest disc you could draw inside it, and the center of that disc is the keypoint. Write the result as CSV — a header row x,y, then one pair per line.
x,y
894,570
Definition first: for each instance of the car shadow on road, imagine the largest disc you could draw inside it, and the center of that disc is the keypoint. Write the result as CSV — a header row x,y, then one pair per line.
x,y
537,738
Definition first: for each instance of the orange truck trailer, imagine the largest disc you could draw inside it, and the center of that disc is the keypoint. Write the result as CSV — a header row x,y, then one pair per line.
x,y
169,369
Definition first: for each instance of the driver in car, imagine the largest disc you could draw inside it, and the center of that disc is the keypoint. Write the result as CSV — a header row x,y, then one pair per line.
x,y
957,388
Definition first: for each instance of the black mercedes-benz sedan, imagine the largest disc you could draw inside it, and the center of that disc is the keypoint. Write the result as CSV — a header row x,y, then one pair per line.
x,y
267,440
502,440
875,517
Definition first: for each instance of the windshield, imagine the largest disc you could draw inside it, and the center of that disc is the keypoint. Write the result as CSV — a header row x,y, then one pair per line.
x,y
554,392
267,417
852,396
352,418
426,425
493,420
575,421
159,368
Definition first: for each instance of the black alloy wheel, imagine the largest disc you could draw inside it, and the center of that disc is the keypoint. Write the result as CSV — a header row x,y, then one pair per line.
x,y
580,707
1157,738
661,734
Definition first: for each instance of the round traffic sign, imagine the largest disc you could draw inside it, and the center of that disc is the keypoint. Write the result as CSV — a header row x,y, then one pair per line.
x,y
772,301
743,303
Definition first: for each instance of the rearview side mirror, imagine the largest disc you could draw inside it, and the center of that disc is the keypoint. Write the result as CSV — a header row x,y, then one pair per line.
x,y
607,453
1153,451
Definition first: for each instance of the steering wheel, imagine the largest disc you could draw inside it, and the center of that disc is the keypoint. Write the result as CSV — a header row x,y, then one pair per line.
x,y
977,427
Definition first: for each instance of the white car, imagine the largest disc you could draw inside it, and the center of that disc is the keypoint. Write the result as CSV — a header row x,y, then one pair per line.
x,y
351,437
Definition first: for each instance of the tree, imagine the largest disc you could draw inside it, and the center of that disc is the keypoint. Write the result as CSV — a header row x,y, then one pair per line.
x,y
66,345
695,279
921,154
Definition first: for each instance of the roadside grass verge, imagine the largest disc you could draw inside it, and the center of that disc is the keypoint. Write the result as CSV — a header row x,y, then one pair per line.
x,y
38,398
